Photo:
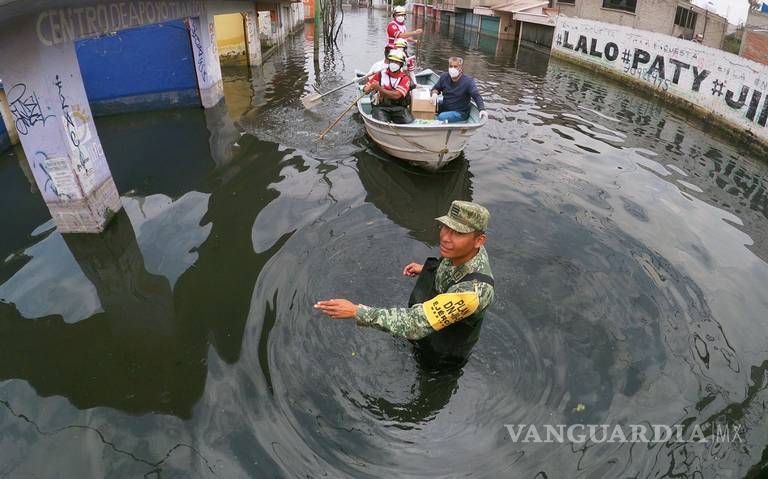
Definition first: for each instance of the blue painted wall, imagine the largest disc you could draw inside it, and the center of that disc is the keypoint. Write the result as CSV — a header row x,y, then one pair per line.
x,y
143,68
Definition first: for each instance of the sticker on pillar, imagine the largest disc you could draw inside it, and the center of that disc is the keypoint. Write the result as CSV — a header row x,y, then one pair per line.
x,y
59,178
82,124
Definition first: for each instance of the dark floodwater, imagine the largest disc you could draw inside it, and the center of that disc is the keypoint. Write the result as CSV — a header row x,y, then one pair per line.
x,y
629,245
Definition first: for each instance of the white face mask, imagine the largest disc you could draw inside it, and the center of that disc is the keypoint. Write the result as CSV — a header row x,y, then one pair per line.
x,y
454,72
400,19
394,67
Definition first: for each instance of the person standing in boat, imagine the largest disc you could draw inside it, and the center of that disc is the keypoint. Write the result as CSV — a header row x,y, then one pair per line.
x,y
410,62
392,86
449,299
381,64
400,44
397,29
457,89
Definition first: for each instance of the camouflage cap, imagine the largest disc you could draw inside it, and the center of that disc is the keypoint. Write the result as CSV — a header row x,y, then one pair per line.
x,y
465,217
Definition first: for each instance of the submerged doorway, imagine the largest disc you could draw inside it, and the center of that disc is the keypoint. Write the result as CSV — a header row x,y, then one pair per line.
x,y
230,39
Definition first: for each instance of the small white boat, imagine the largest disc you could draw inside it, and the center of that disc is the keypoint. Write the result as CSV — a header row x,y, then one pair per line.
x,y
424,143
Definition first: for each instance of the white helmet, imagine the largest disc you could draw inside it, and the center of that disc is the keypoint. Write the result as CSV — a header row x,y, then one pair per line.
x,y
396,56
399,10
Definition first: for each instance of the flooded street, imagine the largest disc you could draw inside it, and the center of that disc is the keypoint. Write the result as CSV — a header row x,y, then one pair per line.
x,y
629,245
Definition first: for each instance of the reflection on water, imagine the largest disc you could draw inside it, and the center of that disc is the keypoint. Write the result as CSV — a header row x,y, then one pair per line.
x,y
629,246
127,355
400,191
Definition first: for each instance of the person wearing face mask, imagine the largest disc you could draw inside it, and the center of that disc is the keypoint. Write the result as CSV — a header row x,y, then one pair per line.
x,y
457,89
391,86
396,28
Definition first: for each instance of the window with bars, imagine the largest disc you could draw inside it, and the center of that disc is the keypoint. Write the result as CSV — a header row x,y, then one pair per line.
x,y
685,18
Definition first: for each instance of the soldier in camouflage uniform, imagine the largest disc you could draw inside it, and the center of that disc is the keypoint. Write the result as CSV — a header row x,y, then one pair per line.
x,y
451,295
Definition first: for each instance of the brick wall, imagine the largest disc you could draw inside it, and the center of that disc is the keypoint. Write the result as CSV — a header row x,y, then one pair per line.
x,y
755,47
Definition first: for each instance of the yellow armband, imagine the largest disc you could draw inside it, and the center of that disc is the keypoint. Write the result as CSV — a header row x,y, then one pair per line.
x,y
448,308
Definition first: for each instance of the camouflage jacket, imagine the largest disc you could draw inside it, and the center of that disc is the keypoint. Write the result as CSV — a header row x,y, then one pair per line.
x,y
421,319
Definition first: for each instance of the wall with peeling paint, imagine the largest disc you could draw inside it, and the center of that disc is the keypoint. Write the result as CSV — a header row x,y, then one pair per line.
x,y
126,71
717,85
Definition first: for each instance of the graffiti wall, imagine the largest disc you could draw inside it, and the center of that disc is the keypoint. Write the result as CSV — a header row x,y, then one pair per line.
x,y
726,86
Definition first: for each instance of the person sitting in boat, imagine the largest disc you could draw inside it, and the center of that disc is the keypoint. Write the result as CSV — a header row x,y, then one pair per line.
x,y
457,89
402,45
392,86
396,28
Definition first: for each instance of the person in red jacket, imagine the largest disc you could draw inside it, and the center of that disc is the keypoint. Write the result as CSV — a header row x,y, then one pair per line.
x,y
392,86
396,28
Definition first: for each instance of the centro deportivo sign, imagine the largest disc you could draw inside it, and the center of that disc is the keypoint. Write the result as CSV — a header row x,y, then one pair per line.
x,y
727,85
59,25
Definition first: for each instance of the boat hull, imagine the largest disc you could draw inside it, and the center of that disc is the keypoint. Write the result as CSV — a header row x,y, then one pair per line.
x,y
429,146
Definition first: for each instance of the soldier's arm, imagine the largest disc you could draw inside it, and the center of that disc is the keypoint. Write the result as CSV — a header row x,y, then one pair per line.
x,y
408,323
421,320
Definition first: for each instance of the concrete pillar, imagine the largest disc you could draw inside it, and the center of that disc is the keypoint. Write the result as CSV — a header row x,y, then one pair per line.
x,y
50,109
252,39
202,34
7,119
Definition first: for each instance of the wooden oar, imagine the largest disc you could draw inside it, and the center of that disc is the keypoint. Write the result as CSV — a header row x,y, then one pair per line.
x,y
340,116
312,100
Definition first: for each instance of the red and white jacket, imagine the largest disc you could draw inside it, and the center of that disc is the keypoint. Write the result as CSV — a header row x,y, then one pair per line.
x,y
394,30
399,81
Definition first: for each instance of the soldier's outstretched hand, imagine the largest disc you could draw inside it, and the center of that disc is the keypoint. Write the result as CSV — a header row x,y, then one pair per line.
x,y
337,308
412,269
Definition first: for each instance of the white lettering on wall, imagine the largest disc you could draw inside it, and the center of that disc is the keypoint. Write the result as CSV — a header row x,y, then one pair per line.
x,y
727,85
69,24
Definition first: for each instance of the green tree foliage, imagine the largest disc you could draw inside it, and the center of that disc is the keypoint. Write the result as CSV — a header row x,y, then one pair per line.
x,y
732,43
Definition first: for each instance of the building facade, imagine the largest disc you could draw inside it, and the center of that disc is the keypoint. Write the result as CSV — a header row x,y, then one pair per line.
x,y
677,18
506,19
754,41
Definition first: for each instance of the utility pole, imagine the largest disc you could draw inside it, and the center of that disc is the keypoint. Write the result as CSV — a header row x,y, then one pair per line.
x,y
316,40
